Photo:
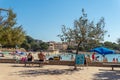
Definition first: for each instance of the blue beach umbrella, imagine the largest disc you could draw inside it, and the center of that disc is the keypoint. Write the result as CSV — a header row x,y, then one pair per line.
x,y
102,50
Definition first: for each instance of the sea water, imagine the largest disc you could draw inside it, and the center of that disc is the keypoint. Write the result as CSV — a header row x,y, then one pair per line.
x,y
108,56
67,56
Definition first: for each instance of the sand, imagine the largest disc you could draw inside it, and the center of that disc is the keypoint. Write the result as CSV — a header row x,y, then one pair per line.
x,y
54,72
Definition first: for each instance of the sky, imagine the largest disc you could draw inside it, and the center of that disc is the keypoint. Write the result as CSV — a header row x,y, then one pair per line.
x,y
43,19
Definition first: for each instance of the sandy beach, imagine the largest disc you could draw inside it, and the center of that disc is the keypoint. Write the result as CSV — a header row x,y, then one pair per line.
x,y
54,72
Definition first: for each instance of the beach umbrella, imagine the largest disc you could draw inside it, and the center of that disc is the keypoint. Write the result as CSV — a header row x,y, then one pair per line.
x,y
103,50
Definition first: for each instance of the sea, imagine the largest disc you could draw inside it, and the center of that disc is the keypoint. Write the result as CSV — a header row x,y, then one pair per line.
x,y
67,56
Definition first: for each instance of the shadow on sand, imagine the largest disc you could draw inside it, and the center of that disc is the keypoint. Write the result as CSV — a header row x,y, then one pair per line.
x,y
107,75
38,72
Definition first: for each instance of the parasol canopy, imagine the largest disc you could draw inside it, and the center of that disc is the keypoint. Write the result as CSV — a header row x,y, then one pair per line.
x,y
102,50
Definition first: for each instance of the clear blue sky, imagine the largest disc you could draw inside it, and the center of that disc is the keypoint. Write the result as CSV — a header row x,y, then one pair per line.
x,y
42,19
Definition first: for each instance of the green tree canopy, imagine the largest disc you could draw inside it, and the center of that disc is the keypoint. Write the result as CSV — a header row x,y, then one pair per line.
x,y
34,45
10,33
83,31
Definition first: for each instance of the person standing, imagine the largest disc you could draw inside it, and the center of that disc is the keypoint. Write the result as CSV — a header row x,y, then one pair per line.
x,y
105,59
72,58
93,56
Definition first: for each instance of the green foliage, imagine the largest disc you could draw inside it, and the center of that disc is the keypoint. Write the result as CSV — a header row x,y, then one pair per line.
x,y
34,45
83,32
10,34
70,48
112,45
108,44
44,46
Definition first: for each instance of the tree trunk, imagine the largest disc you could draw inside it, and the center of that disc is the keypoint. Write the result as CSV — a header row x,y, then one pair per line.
x,y
77,50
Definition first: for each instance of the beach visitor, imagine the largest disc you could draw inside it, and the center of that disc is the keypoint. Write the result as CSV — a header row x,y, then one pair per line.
x,y
72,58
23,59
41,56
105,59
30,57
93,56
97,58
113,60
85,60
116,60
88,60
1,55
60,58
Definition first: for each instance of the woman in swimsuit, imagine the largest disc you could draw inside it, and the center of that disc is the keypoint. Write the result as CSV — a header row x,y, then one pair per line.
x,y
29,57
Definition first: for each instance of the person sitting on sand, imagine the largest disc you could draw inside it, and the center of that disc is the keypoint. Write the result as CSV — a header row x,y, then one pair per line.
x,y
41,56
